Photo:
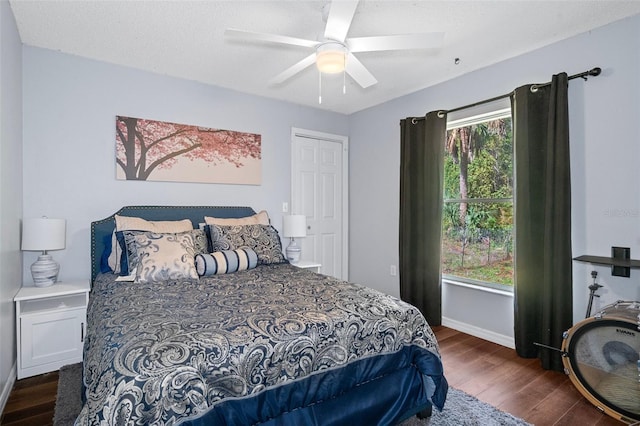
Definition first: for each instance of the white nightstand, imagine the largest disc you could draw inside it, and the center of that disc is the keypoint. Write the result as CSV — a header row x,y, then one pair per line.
x,y
306,264
50,326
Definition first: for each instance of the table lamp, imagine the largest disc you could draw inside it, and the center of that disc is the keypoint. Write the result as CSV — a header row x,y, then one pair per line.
x,y
294,226
43,234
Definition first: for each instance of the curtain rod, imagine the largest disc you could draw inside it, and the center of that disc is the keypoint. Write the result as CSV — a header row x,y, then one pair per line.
x,y
594,72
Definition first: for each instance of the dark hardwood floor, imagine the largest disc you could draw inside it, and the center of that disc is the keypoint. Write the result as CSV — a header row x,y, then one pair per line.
x,y
31,401
496,375
490,372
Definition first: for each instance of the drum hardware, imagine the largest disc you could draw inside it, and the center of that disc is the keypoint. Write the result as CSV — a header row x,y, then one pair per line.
x,y
592,292
563,353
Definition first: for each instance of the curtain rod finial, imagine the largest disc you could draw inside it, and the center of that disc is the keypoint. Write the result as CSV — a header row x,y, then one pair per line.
x,y
593,72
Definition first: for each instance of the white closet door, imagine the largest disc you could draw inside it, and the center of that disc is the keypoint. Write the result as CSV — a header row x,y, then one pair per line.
x,y
319,191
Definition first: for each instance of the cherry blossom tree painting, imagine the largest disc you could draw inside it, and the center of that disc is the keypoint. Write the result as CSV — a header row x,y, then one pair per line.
x,y
162,151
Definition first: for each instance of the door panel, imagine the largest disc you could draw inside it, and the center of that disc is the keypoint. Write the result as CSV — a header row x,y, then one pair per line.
x,y
319,192
52,337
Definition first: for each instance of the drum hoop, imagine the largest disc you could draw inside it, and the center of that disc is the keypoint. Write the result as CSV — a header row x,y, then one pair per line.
x,y
568,347
619,307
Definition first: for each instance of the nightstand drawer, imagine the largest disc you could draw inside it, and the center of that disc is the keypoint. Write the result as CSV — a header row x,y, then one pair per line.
x,y
53,304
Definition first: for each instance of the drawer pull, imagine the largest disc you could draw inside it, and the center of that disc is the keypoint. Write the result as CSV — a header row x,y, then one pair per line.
x,y
82,332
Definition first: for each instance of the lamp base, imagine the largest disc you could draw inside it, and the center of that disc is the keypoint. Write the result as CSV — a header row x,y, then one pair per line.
x,y
45,271
293,252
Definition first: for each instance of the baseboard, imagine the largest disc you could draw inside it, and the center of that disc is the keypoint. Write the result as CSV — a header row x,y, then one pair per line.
x,y
491,336
6,391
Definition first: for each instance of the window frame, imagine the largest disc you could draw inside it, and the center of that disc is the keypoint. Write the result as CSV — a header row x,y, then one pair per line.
x,y
480,114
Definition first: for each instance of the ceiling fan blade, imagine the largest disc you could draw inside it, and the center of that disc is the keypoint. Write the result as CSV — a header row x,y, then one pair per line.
x,y
293,70
339,19
358,72
231,33
395,42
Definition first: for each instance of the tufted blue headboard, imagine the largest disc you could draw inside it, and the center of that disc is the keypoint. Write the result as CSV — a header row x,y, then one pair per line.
x,y
102,229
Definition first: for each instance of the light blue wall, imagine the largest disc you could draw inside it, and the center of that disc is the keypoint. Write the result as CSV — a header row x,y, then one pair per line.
x,y
10,190
605,144
70,106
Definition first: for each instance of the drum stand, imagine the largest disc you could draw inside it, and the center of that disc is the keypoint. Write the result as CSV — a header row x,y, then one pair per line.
x,y
592,292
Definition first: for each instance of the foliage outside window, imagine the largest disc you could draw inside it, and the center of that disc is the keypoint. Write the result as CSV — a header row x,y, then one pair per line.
x,y
477,237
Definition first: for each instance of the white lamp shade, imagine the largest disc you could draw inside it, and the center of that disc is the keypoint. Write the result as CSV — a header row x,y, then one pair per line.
x,y
295,226
43,233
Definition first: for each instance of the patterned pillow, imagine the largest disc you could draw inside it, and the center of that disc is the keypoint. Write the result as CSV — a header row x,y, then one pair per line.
x,y
130,253
124,223
263,239
226,262
165,256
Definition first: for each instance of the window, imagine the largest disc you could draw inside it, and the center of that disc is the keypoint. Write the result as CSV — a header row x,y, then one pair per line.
x,y
477,220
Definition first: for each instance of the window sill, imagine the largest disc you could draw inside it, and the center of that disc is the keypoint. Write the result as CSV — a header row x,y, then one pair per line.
x,y
477,287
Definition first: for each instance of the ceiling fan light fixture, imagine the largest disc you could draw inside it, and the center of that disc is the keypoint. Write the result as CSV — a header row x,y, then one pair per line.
x,y
331,57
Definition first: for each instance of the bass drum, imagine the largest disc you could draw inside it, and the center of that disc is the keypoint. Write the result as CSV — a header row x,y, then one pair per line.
x,y
601,356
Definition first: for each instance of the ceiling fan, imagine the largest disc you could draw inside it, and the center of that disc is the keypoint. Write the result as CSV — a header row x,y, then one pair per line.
x,y
335,53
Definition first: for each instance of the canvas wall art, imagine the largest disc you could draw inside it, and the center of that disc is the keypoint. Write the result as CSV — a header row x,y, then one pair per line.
x,y
162,151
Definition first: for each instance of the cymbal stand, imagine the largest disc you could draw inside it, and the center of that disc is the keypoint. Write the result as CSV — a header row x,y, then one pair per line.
x,y
592,292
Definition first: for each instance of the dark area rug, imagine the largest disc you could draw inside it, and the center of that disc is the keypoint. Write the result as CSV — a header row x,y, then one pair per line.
x,y
68,399
461,409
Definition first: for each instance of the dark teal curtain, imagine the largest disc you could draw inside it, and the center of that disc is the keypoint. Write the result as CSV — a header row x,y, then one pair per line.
x,y
543,259
421,187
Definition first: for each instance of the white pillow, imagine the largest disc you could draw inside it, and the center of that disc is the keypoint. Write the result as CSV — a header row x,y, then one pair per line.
x,y
130,223
261,218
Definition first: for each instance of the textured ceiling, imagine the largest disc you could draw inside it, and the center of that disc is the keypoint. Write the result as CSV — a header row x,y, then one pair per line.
x,y
185,39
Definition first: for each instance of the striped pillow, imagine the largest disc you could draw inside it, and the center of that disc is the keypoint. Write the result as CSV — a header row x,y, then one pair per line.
x,y
226,261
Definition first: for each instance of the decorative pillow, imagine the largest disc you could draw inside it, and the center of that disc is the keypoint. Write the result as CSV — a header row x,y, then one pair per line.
x,y
130,258
165,257
159,226
106,254
261,218
263,239
113,261
226,262
124,223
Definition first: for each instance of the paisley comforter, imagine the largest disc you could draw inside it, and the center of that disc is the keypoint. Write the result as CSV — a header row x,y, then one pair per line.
x,y
271,345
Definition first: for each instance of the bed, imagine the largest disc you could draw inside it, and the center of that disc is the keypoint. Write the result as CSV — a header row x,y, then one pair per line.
x,y
267,344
